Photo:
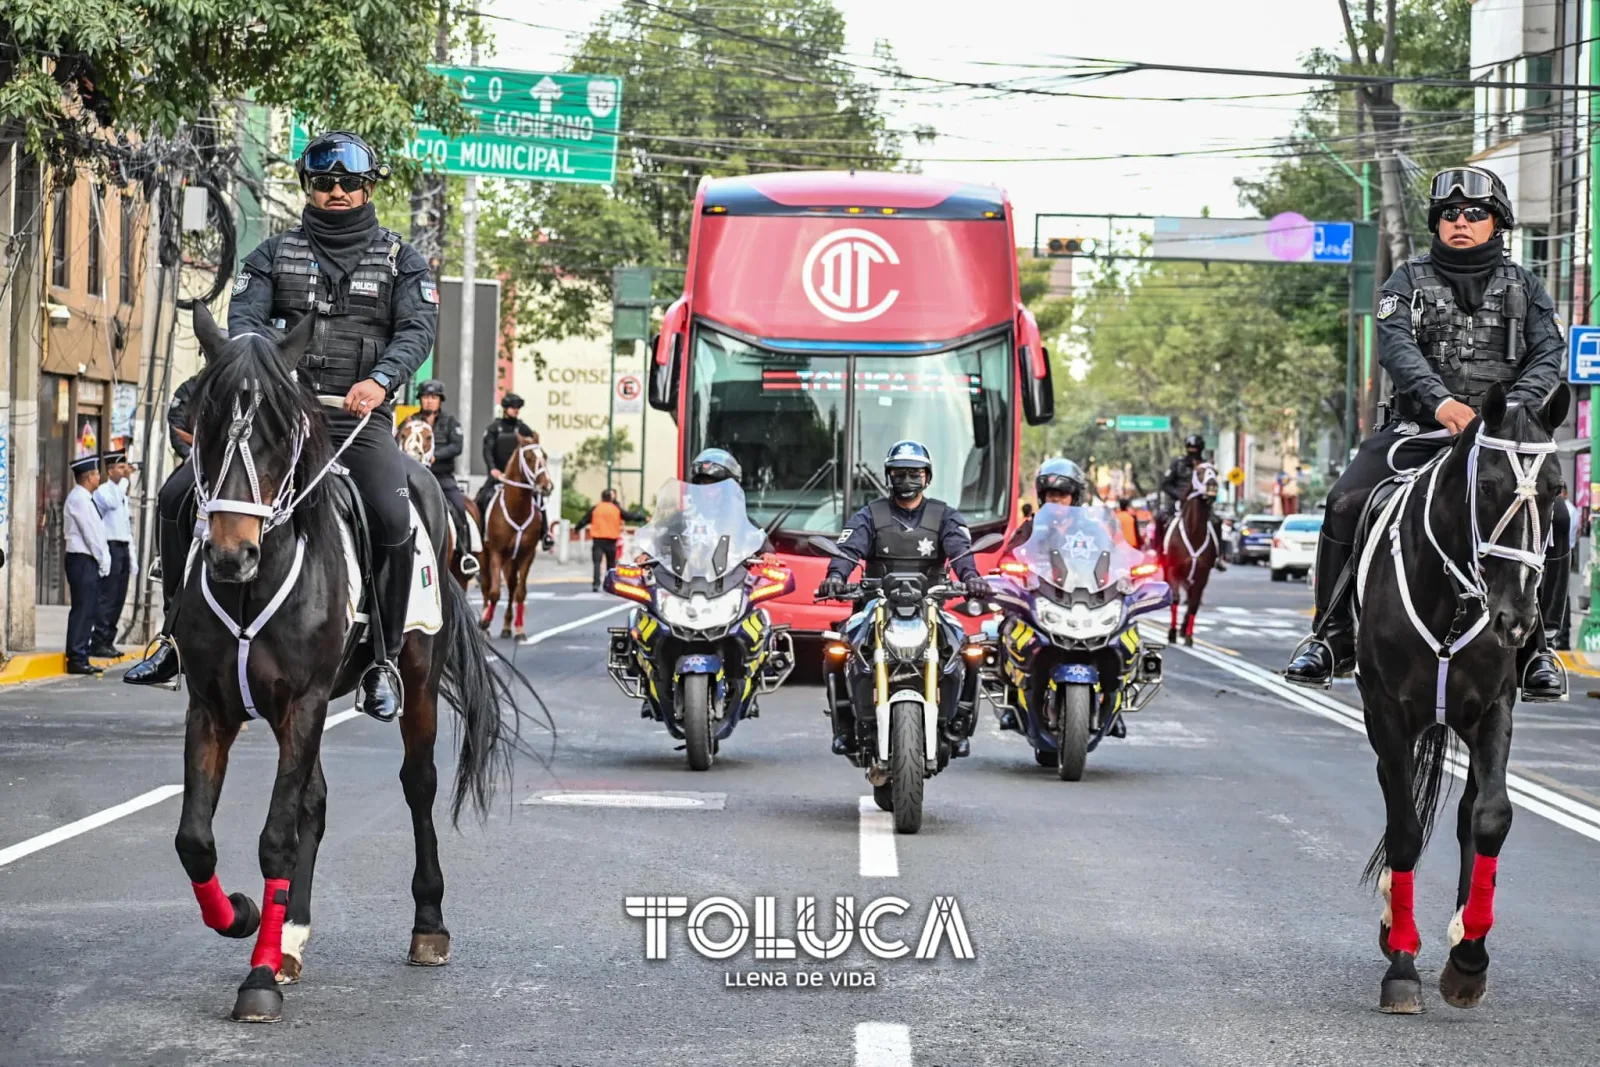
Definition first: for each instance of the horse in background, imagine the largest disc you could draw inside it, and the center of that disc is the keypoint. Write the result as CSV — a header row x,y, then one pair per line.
x,y
513,529
1189,550
415,438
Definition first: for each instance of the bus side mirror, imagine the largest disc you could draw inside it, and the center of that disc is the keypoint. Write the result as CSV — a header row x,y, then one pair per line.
x,y
1038,392
664,372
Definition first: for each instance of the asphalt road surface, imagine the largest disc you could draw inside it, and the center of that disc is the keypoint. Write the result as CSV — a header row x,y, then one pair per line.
x,y
1194,900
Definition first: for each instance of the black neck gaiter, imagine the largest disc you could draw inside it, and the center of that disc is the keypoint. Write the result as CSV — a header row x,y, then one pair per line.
x,y
1467,270
337,239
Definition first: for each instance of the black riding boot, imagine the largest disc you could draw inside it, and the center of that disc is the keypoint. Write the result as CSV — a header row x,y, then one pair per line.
x,y
382,694
549,541
1543,679
161,666
1216,532
1331,650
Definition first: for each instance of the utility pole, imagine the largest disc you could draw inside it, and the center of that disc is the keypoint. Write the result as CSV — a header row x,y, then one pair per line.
x,y
428,191
8,257
469,295
1589,630
26,324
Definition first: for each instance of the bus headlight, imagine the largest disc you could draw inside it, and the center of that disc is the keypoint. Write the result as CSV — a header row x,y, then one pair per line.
x,y
700,612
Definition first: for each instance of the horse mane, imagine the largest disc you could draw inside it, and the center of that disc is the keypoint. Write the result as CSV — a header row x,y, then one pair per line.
x,y
253,362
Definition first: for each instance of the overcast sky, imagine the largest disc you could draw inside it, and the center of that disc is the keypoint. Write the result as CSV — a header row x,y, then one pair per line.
x,y
964,40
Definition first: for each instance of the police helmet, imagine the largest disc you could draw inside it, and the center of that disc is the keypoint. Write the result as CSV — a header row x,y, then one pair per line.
x,y
1061,476
339,151
431,387
1194,444
905,456
510,400
1468,185
714,465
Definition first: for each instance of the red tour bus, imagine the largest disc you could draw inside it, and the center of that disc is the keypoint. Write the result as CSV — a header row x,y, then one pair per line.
x,y
826,316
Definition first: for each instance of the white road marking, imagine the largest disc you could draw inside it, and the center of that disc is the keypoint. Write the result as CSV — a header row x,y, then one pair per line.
x,y
1560,809
534,639
626,799
883,1044
87,823
15,852
878,856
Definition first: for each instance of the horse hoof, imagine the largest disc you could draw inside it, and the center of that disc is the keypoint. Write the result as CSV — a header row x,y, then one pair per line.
x,y
1172,635
1188,640
246,917
259,1000
519,633
429,950
1401,996
289,971
1462,989
505,631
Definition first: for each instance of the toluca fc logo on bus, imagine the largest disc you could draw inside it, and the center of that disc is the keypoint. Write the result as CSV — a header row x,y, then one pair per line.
x,y
839,276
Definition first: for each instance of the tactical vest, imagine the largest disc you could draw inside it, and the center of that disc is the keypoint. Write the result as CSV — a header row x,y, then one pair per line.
x,y
344,348
1469,352
897,550
505,442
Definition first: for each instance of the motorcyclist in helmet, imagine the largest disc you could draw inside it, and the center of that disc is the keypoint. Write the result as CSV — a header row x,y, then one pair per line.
x,y
447,445
1058,481
1176,485
909,531
714,465
500,443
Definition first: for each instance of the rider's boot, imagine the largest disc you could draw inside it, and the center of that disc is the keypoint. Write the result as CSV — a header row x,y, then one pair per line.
x,y
161,666
1216,532
549,541
1330,650
1543,679
844,732
382,694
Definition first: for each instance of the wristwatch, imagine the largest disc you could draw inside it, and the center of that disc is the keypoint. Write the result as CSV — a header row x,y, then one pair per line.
x,y
381,378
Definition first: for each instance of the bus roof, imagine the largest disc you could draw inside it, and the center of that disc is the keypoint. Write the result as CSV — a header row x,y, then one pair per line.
x,y
807,192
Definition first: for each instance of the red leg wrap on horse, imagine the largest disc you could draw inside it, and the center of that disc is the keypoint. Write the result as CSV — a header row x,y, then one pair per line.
x,y
269,942
1403,935
1188,626
488,614
519,615
216,910
1478,915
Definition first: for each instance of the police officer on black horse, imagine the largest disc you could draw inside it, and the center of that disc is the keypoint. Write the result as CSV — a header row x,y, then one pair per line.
x,y
447,445
1451,324
376,308
499,445
908,532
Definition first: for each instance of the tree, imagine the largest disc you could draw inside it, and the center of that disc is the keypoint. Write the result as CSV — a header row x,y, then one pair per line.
x,y
70,66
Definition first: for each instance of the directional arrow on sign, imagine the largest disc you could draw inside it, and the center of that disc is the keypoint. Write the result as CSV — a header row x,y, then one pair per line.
x,y
547,92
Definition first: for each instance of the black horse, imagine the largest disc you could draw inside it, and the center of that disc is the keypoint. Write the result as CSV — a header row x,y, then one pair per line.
x,y
274,566
1449,583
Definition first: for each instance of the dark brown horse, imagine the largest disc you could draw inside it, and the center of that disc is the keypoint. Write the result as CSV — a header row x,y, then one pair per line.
x,y
1189,549
512,531
264,632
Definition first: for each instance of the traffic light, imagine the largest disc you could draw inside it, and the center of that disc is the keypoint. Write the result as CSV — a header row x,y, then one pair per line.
x,y
1106,422
1071,246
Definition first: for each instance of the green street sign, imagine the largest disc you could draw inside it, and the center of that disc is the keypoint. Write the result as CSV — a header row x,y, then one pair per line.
x,y
530,125
1144,423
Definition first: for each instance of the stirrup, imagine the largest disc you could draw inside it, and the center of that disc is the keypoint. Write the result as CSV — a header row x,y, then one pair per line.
x,y
467,564
1306,644
149,650
1522,684
393,672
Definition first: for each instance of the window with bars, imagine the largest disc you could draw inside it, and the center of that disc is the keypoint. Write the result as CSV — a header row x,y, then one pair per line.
x,y
1541,103
60,268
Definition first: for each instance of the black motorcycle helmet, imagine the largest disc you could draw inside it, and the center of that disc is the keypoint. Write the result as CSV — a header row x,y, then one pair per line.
x,y
908,470
339,152
509,401
714,465
1194,445
1469,185
1061,476
431,387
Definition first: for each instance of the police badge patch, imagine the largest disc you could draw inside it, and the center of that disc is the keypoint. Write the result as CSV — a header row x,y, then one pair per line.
x,y
241,283
430,291
1387,305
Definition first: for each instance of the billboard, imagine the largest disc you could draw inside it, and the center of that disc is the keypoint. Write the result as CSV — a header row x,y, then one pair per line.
x,y
1285,238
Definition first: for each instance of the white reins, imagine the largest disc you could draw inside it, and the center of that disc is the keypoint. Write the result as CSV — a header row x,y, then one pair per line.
x,y
531,485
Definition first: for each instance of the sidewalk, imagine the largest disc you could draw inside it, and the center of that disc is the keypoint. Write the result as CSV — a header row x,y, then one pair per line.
x,y
50,659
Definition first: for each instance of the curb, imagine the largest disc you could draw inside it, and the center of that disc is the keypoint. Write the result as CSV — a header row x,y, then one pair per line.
x,y
39,666
1584,663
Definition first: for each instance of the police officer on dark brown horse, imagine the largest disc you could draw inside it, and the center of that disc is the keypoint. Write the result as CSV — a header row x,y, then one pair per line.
x,y
376,308
1451,324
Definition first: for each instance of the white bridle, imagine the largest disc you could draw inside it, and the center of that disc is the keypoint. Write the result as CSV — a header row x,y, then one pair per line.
x,y
532,485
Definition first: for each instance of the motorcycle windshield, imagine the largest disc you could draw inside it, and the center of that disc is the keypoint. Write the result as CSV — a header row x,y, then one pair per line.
x,y
700,531
1075,548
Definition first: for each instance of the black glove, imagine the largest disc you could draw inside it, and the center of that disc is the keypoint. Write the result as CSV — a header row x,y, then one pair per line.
x,y
977,589
832,588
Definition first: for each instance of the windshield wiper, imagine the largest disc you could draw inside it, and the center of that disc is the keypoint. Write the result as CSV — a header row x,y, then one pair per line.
x,y
816,476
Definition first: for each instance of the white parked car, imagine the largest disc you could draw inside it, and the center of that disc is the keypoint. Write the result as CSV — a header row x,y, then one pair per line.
x,y
1294,547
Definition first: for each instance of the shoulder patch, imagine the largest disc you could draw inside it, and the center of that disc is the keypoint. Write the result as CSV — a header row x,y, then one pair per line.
x,y
241,283
1387,305
430,291
846,535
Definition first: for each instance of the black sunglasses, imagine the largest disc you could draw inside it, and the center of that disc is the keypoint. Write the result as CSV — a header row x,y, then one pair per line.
x,y
1473,214
324,183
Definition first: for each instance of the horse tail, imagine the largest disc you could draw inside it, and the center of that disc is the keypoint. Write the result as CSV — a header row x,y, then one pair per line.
x,y
483,699
1429,756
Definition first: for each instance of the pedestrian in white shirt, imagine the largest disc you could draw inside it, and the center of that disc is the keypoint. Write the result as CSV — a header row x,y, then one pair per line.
x,y
112,501
88,560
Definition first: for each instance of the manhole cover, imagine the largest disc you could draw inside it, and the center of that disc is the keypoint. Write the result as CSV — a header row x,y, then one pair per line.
x,y
600,799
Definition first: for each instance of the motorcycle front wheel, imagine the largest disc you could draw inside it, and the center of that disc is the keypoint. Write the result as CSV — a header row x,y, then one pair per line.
x,y
1072,730
908,761
697,720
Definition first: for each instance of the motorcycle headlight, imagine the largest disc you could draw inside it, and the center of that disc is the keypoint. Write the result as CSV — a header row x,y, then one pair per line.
x,y
700,612
906,637
1078,621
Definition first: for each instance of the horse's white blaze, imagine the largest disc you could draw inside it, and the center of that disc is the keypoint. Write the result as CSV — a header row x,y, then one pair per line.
x,y
1458,929
295,936
1385,881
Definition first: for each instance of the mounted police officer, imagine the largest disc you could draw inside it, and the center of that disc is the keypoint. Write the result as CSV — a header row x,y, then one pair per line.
x,y
1451,324
447,445
499,445
1179,483
908,532
376,308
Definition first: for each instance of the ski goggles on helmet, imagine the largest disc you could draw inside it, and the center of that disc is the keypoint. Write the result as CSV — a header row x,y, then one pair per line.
x,y
1471,183
324,157
324,183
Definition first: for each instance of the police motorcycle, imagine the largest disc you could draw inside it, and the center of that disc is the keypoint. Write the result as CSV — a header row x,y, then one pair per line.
x,y
697,649
897,650
1064,662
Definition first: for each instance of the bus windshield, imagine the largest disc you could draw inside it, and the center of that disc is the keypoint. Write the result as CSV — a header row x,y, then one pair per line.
x,y
784,417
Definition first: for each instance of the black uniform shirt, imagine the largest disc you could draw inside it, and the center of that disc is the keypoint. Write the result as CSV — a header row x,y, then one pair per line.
x,y
178,416
857,539
491,437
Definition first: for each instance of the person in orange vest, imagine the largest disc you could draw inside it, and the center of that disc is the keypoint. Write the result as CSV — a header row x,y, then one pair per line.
x,y
604,522
1130,521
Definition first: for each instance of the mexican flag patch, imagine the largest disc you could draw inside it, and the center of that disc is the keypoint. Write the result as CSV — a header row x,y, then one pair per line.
x,y
427,577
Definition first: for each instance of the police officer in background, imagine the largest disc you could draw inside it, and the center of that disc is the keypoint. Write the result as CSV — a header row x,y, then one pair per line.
x,y
499,445
1451,324
447,445
908,532
179,435
376,309
1176,485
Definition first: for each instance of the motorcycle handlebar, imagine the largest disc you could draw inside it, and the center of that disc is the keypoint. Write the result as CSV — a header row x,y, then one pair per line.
x,y
940,593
